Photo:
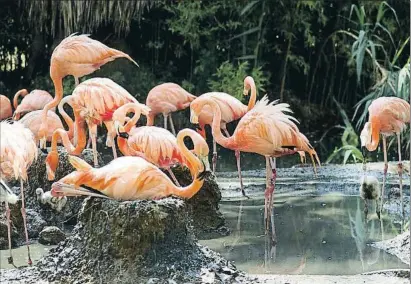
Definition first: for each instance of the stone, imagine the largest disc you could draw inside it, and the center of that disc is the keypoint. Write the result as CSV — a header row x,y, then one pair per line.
x,y
38,179
35,223
51,236
204,208
134,242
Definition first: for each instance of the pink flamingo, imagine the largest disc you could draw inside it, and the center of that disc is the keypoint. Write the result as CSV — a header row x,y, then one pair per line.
x,y
130,178
96,100
231,109
155,144
265,130
18,150
167,98
388,116
76,55
36,100
5,107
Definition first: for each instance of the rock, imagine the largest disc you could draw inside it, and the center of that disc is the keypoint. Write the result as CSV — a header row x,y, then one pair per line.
x,y
35,223
4,243
398,246
208,221
394,193
38,179
134,242
51,236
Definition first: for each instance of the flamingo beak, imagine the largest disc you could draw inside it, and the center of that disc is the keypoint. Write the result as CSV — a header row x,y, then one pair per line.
x,y
116,126
193,117
206,163
60,189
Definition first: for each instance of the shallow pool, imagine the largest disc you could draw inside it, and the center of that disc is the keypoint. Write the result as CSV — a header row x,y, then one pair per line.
x,y
315,235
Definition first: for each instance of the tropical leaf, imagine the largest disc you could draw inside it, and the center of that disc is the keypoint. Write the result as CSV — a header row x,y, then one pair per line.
x,y
249,8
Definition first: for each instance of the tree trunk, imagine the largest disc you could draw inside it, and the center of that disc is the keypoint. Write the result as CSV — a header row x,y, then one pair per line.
x,y
285,69
37,47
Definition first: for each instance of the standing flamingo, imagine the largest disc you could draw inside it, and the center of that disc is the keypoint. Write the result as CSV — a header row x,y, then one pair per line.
x,y
155,144
167,98
95,100
36,100
388,116
130,178
18,150
5,107
265,130
80,137
76,55
32,121
231,109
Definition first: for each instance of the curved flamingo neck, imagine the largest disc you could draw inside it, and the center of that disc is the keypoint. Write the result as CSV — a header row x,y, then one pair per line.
x,y
64,135
133,121
253,97
375,135
66,117
216,125
150,120
194,165
58,90
123,146
22,93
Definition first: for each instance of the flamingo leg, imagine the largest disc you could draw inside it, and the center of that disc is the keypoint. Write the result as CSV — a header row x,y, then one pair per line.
x,y
165,121
237,157
267,194
384,179
271,201
10,258
23,214
173,130
170,172
111,133
214,160
93,134
88,143
400,175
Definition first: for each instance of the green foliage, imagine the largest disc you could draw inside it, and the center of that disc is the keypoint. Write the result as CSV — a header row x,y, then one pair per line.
x,y
230,79
349,140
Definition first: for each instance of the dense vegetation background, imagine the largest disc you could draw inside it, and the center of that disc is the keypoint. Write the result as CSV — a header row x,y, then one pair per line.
x,y
328,59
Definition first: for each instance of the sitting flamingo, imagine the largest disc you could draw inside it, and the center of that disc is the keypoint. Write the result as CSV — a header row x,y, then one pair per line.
x,y
155,144
130,178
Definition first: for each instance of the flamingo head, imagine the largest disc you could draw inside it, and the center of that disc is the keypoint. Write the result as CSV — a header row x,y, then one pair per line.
x,y
365,135
248,82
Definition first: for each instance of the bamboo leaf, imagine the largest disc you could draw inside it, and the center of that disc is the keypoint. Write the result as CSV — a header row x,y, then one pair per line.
x,y
248,8
245,57
399,52
250,31
347,156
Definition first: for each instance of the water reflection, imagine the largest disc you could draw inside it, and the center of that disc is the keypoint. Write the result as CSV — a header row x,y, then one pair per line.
x,y
315,235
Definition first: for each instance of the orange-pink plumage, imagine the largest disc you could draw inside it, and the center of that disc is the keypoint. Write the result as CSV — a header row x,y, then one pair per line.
x,y
35,100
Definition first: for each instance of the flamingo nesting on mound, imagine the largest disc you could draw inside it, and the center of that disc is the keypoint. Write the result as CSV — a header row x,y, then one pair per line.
x,y
76,55
18,150
130,178
155,144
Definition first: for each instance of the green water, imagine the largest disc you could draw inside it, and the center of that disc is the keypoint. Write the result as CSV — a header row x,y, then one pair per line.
x,y
314,236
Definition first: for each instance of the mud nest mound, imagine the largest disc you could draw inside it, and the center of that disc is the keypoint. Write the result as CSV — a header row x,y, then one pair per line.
x,y
208,221
38,178
135,242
